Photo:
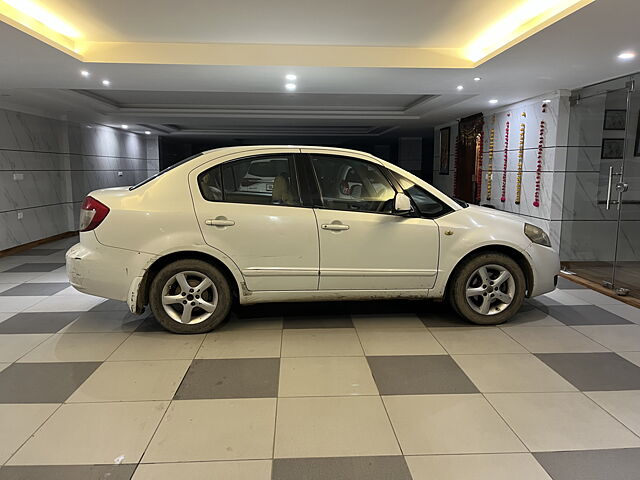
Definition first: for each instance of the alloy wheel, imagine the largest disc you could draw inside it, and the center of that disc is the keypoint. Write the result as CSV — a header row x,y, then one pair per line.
x,y
490,289
189,297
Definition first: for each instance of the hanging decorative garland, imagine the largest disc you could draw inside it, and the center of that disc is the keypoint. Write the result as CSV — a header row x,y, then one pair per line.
x,y
503,198
520,162
536,195
456,157
479,154
492,134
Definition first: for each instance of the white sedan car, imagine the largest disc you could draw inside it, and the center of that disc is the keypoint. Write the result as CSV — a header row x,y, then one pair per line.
x,y
192,239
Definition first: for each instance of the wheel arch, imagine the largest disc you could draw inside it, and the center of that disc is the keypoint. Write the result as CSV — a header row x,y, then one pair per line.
x,y
161,262
511,252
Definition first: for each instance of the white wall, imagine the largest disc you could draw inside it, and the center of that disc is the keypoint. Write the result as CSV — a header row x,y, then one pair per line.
x,y
549,213
47,166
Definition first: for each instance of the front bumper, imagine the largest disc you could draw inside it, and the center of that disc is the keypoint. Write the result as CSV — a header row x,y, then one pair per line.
x,y
104,271
545,263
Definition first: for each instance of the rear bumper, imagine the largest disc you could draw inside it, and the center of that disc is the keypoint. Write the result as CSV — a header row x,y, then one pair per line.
x,y
104,271
545,263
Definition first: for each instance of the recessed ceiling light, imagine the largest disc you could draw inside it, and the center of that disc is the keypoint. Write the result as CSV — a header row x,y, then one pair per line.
x,y
290,86
106,83
493,100
84,73
476,79
291,77
147,132
626,55
124,126
459,87
546,101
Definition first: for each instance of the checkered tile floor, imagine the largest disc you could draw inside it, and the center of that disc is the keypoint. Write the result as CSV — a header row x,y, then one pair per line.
x,y
393,390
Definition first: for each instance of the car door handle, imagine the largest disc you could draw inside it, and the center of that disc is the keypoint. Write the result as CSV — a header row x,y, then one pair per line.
x,y
334,226
219,222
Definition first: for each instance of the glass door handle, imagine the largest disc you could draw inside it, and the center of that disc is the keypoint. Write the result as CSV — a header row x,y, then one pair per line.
x,y
621,187
610,184
609,187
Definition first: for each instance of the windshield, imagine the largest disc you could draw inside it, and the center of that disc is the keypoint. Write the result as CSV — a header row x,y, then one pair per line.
x,y
162,172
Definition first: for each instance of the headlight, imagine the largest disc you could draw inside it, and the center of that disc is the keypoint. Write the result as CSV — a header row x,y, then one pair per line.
x,y
537,235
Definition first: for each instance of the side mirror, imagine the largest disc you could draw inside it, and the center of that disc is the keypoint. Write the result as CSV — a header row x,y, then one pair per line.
x,y
401,204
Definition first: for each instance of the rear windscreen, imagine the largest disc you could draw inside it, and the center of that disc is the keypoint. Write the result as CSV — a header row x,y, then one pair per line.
x,y
162,172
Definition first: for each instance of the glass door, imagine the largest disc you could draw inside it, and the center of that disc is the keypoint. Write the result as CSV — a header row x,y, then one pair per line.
x,y
600,239
625,195
593,165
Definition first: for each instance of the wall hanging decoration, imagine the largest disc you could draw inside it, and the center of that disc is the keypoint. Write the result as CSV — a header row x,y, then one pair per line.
x,y
467,157
520,162
503,198
492,134
479,154
445,145
456,157
536,195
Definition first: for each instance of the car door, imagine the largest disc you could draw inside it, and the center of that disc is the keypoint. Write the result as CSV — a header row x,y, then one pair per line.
x,y
249,208
363,245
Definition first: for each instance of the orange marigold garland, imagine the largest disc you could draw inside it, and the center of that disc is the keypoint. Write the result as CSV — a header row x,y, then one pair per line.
x,y
520,163
492,133
536,195
456,157
479,154
503,198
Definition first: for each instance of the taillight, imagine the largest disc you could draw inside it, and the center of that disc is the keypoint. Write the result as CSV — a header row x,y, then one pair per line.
x,y
92,213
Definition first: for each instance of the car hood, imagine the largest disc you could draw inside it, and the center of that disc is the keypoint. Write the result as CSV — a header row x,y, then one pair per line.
x,y
494,213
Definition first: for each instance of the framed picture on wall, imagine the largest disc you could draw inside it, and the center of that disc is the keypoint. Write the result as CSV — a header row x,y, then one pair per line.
x,y
612,148
445,142
615,119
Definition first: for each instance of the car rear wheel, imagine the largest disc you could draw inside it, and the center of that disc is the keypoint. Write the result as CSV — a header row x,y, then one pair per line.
x,y
488,289
190,296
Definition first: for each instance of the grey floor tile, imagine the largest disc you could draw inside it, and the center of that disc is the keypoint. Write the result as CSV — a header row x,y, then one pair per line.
x,y
594,371
67,472
150,324
341,468
43,382
317,321
565,284
35,267
541,302
111,306
38,252
441,315
38,322
230,378
419,374
614,464
96,322
584,315
34,289
216,470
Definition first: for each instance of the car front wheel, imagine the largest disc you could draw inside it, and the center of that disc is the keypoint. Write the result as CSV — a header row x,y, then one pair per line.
x,y
190,296
488,289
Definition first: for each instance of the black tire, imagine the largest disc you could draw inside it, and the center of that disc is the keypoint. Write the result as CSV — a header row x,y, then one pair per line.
x,y
458,289
224,297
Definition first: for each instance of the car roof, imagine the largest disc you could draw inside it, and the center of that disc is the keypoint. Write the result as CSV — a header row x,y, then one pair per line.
x,y
248,148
